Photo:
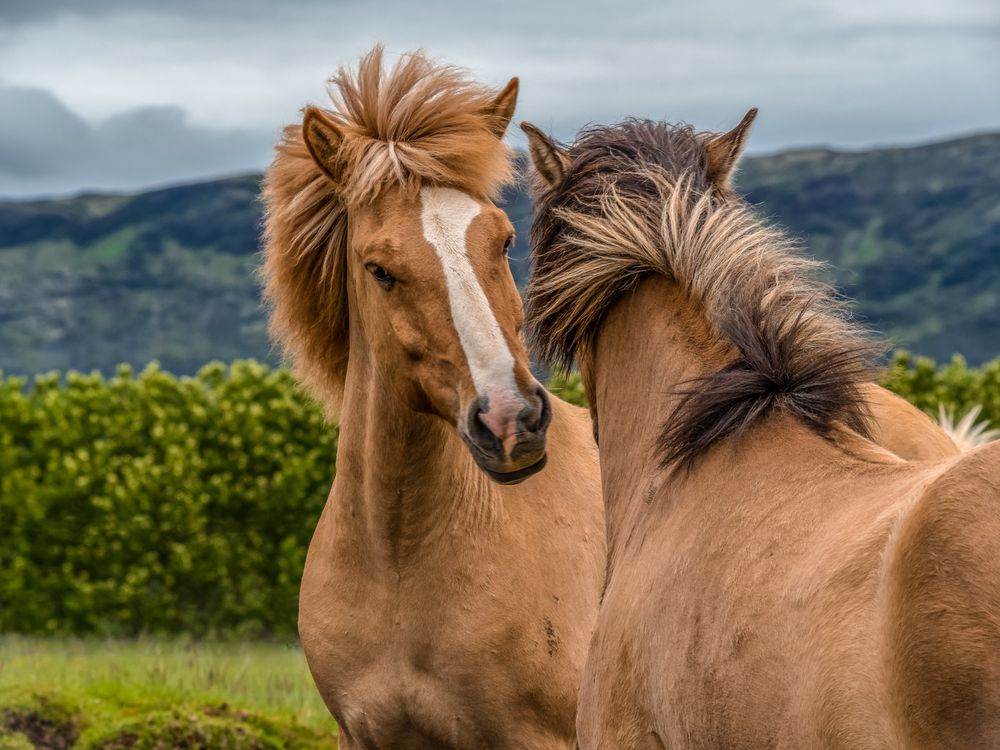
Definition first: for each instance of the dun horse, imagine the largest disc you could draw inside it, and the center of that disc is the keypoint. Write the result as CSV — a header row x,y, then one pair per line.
x,y
896,424
776,579
442,604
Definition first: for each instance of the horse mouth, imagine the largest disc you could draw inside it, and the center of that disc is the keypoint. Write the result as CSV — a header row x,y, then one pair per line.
x,y
518,476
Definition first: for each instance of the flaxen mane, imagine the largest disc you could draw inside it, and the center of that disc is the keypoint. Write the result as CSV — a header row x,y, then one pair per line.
x,y
417,123
636,199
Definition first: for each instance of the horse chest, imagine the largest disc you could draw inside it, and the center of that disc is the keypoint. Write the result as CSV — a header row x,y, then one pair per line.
x,y
414,684
443,666
393,705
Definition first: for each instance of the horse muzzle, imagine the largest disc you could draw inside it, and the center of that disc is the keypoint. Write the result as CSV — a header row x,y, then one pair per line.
x,y
506,434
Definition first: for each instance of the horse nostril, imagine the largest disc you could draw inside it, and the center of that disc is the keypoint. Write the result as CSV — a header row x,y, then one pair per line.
x,y
546,418
479,431
536,416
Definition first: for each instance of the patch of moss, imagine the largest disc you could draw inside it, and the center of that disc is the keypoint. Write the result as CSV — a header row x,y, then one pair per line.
x,y
176,729
204,728
41,721
14,741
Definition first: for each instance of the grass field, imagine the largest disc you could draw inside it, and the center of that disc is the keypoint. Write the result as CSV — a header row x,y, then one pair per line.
x,y
112,695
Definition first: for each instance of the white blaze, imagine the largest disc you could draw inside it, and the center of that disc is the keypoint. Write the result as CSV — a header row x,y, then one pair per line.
x,y
446,215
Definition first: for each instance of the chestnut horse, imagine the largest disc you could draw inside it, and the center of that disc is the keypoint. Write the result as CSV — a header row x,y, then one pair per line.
x,y
452,584
775,578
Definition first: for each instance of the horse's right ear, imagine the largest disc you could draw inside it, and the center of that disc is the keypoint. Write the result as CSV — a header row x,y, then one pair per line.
x,y
724,151
549,159
501,110
323,140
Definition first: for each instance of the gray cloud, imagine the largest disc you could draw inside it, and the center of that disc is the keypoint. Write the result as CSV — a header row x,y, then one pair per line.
x,y
17,12
38,135
46,148
156,88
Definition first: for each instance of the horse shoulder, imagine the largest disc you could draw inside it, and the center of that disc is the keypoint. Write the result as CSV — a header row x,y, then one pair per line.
x,y
570,483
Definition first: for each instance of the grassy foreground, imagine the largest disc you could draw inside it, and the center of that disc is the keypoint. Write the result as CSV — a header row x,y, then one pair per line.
x,y
146,694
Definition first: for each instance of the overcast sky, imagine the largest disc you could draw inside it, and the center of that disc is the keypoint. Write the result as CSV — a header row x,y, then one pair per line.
x,y
122,94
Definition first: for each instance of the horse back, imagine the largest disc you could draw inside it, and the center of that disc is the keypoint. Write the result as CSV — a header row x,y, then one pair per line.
x,y
943,609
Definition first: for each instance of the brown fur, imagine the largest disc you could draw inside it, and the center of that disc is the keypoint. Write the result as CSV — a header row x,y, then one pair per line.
x,y
638,200
417,123
791,590
442,605
897,424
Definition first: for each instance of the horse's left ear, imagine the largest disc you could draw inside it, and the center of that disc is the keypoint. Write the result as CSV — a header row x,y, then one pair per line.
x,y
724,151
323,140
501,110
550,161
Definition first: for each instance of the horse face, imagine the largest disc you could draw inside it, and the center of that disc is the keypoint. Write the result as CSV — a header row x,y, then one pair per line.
x,y
431,284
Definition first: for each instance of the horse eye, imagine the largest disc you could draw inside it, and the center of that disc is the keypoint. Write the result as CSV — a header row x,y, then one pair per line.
x,y
508,245
383,277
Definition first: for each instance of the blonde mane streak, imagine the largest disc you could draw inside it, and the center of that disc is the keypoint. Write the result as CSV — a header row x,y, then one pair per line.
x,y
417,123
714,252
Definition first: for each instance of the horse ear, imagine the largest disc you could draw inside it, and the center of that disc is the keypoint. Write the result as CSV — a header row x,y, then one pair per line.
x,y
549,159
323,139
501,111
724,151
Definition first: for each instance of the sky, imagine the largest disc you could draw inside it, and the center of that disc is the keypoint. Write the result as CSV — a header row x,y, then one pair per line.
x,y
124,94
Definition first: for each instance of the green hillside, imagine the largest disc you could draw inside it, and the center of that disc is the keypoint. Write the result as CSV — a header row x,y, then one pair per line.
x,y
87,282
913,234
169,275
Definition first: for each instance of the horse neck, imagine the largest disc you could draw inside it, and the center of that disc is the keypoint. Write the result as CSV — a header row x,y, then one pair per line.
x,y
651,341
406,476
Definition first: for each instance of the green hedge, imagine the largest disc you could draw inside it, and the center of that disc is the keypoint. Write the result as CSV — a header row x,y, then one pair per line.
x,y
954,386
156,504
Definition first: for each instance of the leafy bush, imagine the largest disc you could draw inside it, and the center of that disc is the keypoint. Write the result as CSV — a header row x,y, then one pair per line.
x,y
568,387
156,504
954,386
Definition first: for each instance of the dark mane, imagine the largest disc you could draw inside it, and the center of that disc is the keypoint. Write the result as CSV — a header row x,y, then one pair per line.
x,y
636,199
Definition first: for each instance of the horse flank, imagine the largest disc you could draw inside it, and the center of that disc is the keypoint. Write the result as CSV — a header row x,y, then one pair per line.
x,y
636,199
417,123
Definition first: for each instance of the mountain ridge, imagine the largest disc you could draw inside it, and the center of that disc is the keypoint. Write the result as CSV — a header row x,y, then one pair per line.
x,y
911,232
